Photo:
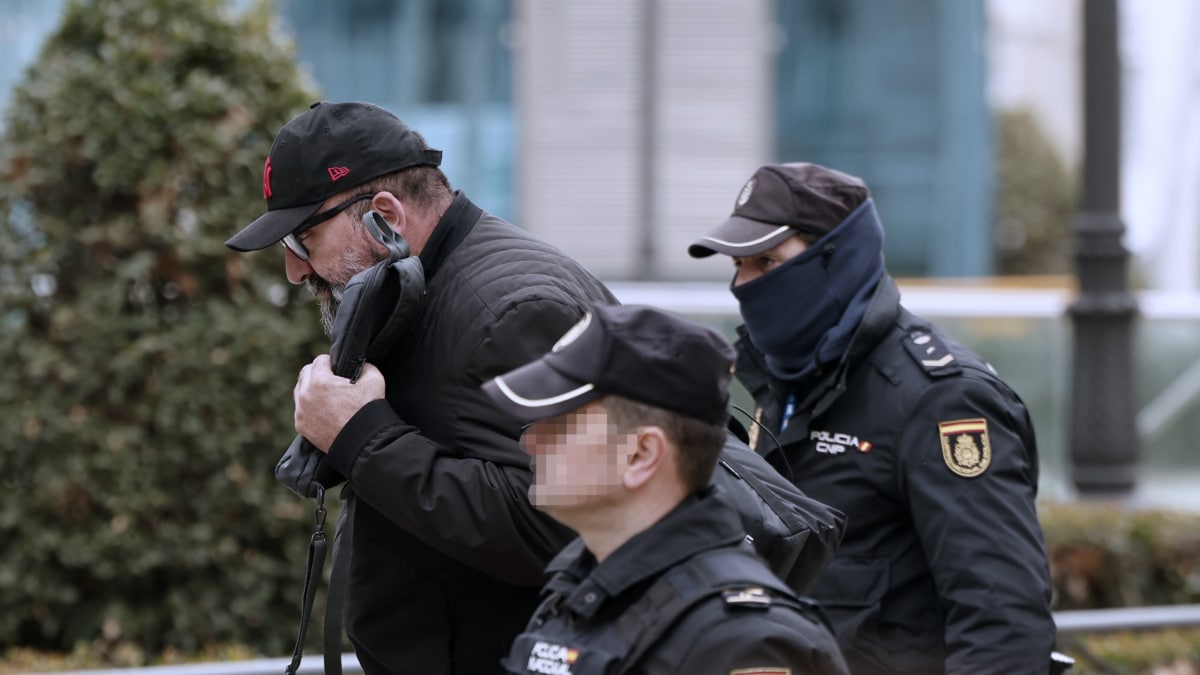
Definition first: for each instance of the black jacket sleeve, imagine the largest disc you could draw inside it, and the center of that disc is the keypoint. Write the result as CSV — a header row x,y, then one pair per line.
x,y
980,533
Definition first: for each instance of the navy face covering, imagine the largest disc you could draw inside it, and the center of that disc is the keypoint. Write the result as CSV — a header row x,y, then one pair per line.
x,y
803,313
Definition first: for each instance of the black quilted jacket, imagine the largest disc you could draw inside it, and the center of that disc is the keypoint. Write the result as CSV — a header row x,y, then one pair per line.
x,y
448,554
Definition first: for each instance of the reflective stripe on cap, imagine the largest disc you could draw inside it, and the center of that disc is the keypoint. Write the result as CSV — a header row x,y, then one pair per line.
x,y
540,402
752,242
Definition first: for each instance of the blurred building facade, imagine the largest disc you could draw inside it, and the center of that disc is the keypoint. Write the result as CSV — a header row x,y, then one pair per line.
x,y
621,129
1034,63
642,119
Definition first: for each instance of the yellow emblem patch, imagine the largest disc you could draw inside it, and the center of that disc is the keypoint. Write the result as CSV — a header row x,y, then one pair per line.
x,y
965,446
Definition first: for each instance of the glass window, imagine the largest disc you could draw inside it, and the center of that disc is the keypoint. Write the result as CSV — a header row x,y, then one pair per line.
x,y
894,92
440,65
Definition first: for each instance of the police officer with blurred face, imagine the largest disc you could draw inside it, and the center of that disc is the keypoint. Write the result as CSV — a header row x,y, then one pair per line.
x,y
877,413
628,417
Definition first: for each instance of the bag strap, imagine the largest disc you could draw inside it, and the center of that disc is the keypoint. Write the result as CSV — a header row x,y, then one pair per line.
x,y
312,575
335,597
684,586
396,285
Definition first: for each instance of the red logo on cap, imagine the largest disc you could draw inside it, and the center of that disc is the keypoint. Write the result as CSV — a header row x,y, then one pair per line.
x,y
336,172
267,179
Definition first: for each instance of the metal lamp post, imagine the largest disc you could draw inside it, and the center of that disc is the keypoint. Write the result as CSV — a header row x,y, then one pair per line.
x,y
1104,443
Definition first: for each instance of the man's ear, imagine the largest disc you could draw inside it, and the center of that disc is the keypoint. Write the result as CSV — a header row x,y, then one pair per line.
x,y
392,209
649,456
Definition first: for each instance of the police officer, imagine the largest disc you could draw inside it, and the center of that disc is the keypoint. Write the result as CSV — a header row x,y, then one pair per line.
x,y
874,411
628,417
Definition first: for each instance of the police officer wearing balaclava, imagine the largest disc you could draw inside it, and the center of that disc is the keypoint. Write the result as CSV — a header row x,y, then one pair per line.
x,y
876,412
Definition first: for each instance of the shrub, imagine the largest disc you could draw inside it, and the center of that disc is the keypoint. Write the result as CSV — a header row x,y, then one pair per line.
x,y
147,377
1035,200
1165,652
1106,555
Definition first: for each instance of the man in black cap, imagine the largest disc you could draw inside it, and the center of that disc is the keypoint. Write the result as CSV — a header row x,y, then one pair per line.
x,y
876,412
448,554
628,414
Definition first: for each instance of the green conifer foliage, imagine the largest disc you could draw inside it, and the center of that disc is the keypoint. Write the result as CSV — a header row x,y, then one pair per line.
x,y
145,393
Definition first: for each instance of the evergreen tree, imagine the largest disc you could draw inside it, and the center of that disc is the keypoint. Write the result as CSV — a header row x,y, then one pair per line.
x,y
146,387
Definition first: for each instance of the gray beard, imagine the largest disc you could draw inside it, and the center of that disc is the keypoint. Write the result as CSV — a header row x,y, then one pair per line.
x,y
329,295
329,298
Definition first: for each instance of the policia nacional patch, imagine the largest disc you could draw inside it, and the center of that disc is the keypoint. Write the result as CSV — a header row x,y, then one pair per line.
x,y
965,446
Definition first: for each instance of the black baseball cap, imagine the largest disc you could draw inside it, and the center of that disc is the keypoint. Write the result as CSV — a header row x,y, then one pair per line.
x,y
779,201
328,149
640,353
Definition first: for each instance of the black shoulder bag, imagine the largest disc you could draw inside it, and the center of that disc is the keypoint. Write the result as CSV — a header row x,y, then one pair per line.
x,y
376,308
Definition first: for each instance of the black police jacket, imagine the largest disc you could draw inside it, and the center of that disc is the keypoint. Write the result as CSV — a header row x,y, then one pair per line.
x,y
447,552
933,460
686,595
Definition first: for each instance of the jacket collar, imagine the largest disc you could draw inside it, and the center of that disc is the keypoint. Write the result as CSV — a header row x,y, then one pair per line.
x,y
456,223
698,524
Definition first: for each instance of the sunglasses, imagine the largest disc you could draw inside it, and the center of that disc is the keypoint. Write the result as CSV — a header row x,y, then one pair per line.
x,y
292,242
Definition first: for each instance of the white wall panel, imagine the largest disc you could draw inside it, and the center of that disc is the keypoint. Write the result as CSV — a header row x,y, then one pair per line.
x,y
585,143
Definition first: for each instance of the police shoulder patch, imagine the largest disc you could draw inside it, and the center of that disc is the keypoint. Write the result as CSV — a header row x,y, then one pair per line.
x,y
966,448
931,353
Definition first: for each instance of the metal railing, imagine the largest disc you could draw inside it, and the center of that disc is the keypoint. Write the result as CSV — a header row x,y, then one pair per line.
x,y
1070,623
1126,618
312,665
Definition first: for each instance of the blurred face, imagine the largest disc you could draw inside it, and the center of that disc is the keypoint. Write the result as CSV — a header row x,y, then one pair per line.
x,y
753,267
578,459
